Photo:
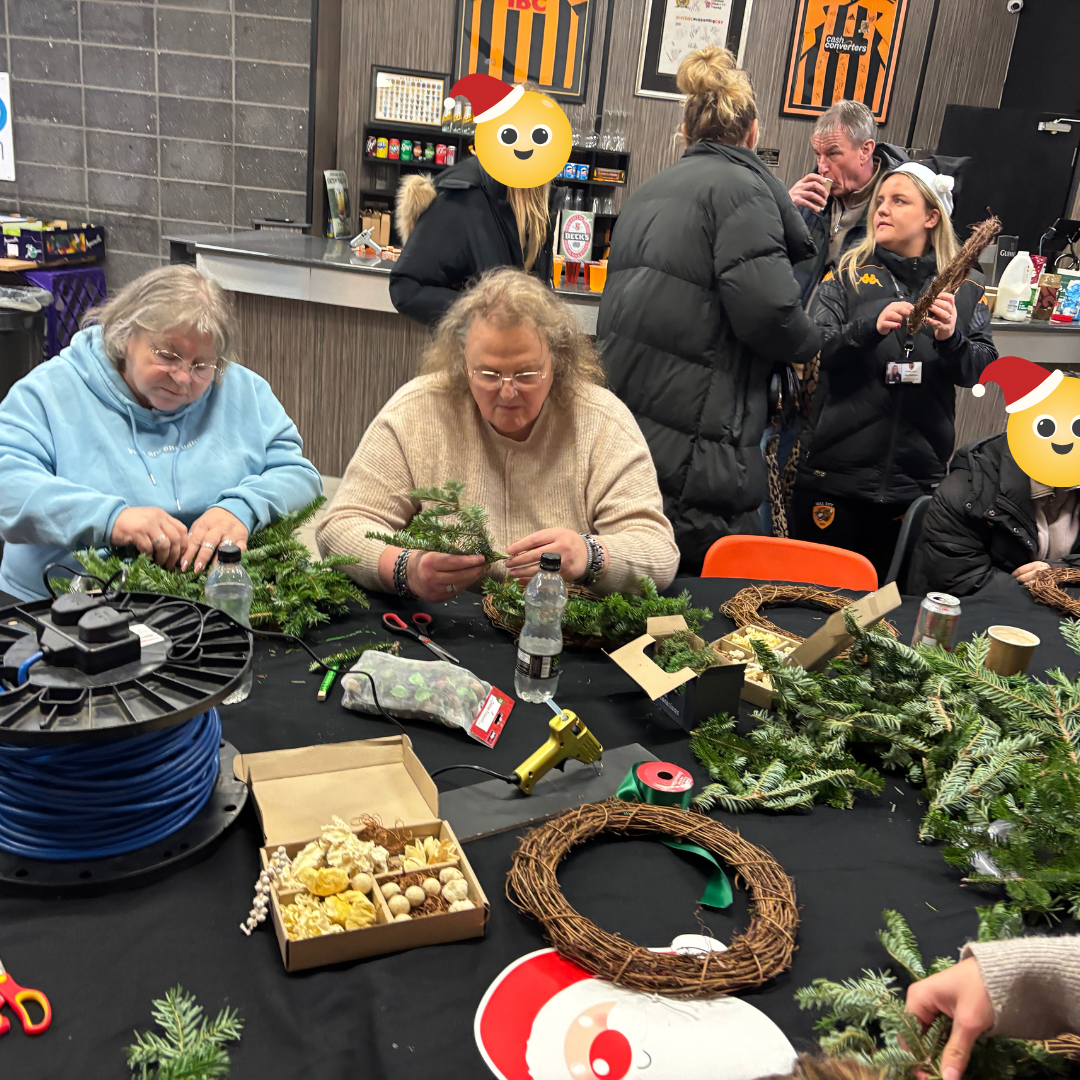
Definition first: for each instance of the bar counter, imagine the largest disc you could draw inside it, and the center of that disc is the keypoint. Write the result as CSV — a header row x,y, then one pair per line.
x,y
317,323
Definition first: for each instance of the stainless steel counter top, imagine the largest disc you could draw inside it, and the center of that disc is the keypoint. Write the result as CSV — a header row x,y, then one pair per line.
x,y
276,245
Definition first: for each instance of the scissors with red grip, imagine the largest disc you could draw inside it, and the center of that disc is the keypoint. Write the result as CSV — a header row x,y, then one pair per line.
x,y
11,993
419,630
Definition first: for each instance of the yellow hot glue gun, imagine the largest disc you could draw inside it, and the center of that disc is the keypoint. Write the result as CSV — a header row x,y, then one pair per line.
x,y
569,738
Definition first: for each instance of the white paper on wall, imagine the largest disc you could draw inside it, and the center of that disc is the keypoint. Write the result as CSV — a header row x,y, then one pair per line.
x,y
7,146
690,25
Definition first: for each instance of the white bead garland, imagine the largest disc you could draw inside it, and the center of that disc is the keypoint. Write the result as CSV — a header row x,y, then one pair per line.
x,y
279,866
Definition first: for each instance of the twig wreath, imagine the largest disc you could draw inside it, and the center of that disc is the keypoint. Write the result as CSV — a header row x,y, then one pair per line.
x,y
745,606
765,950
1048,588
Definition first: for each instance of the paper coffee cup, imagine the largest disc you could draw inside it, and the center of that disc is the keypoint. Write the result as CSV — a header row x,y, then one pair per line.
x,y
1010,650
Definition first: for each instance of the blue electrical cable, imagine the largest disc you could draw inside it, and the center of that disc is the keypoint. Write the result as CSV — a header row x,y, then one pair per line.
x,y
93,800
25,666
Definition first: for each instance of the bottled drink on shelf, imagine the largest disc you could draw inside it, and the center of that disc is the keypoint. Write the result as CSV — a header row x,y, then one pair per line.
x,y
229,589
540,645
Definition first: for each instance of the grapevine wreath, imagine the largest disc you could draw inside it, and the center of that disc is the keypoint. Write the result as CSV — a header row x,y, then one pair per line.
x,y
765,950
1048,587
745,606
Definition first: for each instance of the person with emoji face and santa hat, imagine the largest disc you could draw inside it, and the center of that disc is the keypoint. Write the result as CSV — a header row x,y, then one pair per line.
x,y
487,211
1010,505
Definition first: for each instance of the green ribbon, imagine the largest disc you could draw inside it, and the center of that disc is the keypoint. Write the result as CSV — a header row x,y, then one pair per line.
x,y
717,892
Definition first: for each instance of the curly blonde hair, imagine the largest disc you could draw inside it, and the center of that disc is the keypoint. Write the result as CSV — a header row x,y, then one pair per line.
x,y
720,103
508,298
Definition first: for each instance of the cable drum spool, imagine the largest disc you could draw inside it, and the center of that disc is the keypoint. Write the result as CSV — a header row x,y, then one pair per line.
x,y
112,764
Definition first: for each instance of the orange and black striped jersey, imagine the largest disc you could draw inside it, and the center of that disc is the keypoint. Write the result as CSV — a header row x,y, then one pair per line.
x,y
845,50
514,40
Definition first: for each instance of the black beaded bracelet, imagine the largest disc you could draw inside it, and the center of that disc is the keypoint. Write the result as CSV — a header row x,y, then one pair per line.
x,y
594,567
401,579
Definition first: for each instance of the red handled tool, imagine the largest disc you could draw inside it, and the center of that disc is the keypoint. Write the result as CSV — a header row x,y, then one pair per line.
x,y
419,630
11,993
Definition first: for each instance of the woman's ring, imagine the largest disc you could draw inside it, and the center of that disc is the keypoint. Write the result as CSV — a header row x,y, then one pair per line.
x,y
159,540
206,543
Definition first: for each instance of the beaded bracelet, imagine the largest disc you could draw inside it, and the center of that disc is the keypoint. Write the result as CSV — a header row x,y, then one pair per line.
x,y
401,579
594,567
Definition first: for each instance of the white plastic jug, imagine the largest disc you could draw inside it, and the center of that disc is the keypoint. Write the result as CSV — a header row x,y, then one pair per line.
x,y
1014,289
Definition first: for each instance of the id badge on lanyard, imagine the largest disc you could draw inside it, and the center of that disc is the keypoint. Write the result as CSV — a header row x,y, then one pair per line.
x,y
907,372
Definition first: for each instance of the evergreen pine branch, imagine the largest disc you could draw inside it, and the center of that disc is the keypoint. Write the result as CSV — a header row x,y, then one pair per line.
x,y
348,657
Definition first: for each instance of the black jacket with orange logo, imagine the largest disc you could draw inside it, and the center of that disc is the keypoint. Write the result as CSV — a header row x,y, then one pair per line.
x,y
867,439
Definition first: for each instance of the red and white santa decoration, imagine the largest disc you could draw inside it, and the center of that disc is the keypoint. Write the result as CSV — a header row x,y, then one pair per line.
x,y
1023,383
545,1018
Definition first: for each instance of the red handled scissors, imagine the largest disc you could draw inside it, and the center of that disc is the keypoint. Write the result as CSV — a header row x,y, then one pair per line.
x,y
11,993
421,624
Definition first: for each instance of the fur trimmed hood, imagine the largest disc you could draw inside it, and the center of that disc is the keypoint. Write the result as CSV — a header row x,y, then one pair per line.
x,y
415,194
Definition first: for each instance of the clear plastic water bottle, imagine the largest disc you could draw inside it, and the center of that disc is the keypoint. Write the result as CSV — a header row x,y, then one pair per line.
x,y
536,678
229,589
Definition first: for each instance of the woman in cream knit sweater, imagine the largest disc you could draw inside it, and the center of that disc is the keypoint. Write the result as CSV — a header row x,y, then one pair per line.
x,y
510,404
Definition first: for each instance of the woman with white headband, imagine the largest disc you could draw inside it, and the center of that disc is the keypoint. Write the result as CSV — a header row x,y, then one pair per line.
x,y
881,426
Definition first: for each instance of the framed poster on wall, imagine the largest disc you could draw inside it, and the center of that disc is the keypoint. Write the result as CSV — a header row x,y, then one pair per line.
x,y
673,28
546,41
843,51
406,96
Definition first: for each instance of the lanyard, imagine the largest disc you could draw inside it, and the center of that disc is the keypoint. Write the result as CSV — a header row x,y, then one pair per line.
x,y
909,344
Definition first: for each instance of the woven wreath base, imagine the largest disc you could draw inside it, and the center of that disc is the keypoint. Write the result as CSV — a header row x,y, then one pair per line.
x,y
1048,588
762,952
576,641
745,606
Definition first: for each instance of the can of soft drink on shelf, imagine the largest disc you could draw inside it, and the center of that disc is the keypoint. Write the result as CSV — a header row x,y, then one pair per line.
x,y
451,155
371,144
939,618
406,150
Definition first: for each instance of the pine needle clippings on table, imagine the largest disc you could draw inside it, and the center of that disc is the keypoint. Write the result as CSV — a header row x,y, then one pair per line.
x,y
762,952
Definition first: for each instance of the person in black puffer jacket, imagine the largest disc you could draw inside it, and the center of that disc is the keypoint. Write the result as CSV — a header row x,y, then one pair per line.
x,y
990,521
454,229
881,426
700,303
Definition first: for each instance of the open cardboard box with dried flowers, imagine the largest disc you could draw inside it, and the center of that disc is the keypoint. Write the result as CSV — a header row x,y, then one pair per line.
x,y
737,659
387,811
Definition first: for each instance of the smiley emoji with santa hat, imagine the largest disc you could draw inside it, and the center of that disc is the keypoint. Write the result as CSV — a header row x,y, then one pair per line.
x,y
523,139
1043,430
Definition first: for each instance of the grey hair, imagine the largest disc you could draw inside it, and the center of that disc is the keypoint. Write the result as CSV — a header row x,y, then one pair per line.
x,y
164,300
853,118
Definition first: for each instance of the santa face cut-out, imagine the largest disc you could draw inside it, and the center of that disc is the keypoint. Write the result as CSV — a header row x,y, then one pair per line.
x,y
544,1018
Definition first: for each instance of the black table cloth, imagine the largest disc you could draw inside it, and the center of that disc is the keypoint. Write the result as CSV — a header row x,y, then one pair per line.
x,y
102,959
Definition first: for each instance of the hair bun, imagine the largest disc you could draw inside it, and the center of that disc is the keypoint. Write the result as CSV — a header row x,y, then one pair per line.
x,y
706,70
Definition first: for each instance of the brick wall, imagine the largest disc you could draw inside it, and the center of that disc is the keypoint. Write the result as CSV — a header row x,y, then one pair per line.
x,y
151,118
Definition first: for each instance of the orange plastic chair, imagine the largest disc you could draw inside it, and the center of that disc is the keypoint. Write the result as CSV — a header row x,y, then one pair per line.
x,y
775,558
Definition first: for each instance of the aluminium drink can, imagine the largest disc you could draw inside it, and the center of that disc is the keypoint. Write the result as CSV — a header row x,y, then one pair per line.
x,y
939,617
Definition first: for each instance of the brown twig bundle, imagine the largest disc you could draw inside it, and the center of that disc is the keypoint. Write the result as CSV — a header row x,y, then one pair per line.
x,y
1048,588
952,277
765,950
745,606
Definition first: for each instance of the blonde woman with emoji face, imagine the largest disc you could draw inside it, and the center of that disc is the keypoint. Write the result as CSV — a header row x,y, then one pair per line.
x,y
510,403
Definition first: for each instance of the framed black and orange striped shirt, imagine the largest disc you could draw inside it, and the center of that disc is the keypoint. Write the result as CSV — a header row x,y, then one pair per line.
x,y
513,40
844,50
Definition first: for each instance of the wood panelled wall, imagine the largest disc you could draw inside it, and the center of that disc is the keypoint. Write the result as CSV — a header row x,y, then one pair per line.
x,y
968,60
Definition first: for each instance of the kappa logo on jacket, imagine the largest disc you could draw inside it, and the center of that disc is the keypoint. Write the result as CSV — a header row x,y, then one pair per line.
x,y
870,279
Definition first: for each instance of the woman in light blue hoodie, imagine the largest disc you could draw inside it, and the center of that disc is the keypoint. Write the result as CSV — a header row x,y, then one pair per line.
x,y
141,432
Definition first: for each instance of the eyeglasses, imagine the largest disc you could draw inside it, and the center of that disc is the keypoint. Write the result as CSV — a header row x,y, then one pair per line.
x,y
173,363
493,380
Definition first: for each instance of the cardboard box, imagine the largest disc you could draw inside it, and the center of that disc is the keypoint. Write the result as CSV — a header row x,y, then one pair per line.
x,y
297,792
53,243
714,694
384,230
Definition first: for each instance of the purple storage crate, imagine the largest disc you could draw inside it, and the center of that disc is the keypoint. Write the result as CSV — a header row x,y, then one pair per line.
x,y
75,291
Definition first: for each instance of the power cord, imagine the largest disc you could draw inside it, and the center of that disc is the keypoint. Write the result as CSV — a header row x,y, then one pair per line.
x,y
476,768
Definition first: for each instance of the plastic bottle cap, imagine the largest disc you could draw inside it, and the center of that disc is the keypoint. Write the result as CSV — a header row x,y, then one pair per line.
x,y
552,561
230,553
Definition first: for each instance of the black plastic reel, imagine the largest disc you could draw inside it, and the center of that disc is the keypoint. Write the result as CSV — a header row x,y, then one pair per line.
x,y
88,877
59,705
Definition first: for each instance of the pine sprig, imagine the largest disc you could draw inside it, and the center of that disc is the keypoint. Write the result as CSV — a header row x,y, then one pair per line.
x,y
998,758
348,657
444,525
293,591
192,1046
866,1018
617,617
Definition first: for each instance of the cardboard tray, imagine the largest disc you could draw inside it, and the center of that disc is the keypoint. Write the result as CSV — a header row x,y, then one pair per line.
x,y
715,692
296,792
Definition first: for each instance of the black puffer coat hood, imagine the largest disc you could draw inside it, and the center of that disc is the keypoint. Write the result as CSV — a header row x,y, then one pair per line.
x,y
700,303
468,227
870,440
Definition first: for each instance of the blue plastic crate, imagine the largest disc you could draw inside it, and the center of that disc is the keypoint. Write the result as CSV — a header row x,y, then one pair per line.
x,y
75,291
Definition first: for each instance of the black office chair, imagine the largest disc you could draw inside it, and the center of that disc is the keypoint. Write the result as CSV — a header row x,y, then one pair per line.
x,y
910,531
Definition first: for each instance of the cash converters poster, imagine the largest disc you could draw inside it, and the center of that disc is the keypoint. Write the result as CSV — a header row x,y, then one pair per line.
x,y
844,51
514,40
